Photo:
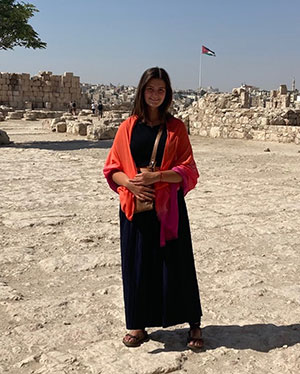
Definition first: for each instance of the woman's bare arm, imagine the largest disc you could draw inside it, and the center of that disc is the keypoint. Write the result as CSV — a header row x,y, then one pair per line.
x,y
148,178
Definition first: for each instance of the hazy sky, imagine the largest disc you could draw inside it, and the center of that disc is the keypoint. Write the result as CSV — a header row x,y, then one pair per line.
x,y
256,42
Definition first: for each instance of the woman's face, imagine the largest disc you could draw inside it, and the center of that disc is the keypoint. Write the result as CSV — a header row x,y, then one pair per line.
x,y
155,93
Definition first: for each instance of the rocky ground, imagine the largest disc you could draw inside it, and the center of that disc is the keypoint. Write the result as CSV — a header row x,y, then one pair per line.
x,y
61,302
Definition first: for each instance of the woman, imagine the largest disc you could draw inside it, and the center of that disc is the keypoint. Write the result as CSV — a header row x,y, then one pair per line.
x,y
159,278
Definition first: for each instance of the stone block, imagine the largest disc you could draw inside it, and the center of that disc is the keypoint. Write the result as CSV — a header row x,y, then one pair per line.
x,y
102,132
55,78
74,90
81,128
15,115
259,135
245,120
75,82
61,127
29,116
273,137
36,83
214,132
47,89
28,105
282,89
265,121
285,101
25,76
68,75
203,132
46,96
4,138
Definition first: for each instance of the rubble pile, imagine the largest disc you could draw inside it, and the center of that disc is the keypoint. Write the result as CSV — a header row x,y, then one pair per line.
x,y
87,124
231,116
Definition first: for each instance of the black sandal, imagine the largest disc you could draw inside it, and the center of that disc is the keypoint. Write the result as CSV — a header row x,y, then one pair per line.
x,y
200,343
136,340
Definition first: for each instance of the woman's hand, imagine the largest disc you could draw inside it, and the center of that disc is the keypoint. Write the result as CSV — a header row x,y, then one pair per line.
x,y
145,178
141,184
141,192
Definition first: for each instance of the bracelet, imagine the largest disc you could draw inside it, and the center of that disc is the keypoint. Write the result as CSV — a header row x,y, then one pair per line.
x,y
160,176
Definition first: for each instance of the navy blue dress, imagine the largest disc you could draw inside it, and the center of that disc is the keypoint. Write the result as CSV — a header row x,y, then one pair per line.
x,y
159,283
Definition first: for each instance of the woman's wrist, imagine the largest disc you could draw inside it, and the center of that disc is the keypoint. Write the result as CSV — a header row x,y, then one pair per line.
x,y
168,176
127,184
160,176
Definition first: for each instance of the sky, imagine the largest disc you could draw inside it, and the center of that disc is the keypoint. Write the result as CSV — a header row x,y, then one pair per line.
x,y
256,42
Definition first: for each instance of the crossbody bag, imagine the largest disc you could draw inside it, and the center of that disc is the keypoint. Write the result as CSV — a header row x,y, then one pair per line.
x,y
146,205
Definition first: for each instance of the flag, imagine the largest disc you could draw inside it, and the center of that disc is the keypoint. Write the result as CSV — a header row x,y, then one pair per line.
x,y
207,51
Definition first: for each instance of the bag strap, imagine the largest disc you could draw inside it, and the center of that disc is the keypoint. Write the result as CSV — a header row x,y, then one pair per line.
x,y
155,146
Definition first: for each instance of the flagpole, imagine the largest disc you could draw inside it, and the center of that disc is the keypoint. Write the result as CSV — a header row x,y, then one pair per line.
x,y
204,50
200,70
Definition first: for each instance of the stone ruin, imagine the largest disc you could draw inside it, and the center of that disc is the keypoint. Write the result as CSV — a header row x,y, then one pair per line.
x,y
43,91
231,116
8,113
242,114
275,99
88,124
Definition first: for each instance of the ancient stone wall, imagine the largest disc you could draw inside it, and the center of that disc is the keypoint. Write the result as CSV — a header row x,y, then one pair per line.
x,y
88,124
223,116
45,90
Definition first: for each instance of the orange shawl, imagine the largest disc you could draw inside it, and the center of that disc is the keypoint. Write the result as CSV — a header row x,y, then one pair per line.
x,y
178,156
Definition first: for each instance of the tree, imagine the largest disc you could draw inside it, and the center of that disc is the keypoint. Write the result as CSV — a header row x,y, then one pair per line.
x,y
14,27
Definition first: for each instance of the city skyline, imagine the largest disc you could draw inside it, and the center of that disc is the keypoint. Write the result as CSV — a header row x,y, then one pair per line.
x,y
115,42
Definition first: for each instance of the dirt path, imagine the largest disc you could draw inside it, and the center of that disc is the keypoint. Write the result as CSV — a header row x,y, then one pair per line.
x,y
61,303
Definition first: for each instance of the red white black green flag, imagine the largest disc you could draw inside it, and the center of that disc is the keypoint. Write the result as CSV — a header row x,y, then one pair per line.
x,y
207,51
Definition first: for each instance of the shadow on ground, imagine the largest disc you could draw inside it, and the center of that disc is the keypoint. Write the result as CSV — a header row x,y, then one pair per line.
x,y
259,337
70,145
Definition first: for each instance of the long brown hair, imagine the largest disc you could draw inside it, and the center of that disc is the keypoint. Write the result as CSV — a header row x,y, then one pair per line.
x,y
140,106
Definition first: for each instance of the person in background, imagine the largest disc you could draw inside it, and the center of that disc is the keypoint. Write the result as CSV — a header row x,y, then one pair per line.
x,y
100,109
93,107
74,108
159,278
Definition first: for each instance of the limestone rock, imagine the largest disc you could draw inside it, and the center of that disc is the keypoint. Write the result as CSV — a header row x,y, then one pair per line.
x,y
85,112
29,116
18,114
5,109
4,138
102,132
53,124
61,127
214,132
78,127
